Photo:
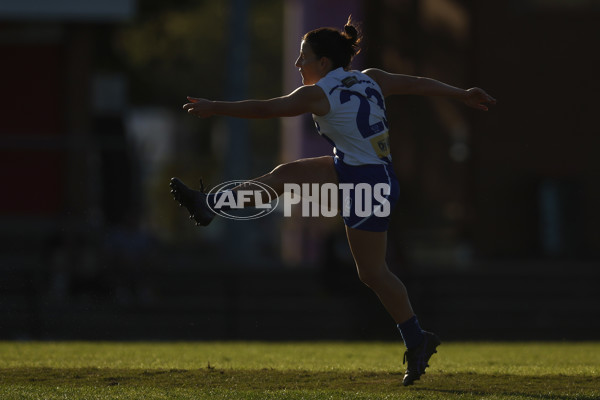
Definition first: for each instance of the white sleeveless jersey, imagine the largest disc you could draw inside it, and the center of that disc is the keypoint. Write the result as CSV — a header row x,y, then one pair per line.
x,y
356,124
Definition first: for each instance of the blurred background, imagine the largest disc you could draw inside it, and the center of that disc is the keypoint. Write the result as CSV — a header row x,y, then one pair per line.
x,y
496,233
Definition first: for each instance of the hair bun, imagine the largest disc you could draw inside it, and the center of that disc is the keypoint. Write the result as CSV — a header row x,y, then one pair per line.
x,y
351,32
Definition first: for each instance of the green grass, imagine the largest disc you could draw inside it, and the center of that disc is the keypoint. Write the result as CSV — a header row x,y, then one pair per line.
x,y
321,370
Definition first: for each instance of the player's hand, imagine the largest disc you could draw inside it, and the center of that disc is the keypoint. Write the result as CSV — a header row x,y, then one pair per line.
x,y
201,108
478,98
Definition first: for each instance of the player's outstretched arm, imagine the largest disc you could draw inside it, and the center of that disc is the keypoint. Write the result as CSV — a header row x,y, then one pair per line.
x,y
392,84
305,99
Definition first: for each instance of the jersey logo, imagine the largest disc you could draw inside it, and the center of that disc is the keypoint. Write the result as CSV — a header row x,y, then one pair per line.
x,y
349,81
381,144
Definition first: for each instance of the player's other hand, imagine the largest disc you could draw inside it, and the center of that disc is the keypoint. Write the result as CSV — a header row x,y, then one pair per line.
x,y
478,98
199,107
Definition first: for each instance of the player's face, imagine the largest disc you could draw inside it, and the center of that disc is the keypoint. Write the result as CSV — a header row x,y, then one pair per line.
x,y
309,65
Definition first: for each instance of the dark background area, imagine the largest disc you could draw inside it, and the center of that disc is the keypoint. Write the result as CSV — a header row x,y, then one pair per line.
x,y
495,235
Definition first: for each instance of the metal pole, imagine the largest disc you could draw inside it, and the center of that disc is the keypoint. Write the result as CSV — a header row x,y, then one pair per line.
x,y
237,164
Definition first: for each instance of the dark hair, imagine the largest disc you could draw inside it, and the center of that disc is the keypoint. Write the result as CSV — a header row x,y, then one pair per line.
x,y
339,47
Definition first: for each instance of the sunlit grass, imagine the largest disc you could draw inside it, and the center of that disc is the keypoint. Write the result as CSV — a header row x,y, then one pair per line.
x,y
307,370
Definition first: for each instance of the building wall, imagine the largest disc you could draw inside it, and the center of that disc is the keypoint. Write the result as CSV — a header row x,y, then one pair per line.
x,y
518,181
535,169
32,161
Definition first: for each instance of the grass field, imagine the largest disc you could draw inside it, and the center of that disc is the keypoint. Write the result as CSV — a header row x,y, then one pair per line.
x,y
310,370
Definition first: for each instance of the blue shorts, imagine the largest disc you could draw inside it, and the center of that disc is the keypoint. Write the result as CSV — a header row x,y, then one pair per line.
x,y
367,194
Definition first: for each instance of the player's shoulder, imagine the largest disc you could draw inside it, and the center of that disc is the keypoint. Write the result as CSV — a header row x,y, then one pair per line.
x,y
378,75
308,93
345,78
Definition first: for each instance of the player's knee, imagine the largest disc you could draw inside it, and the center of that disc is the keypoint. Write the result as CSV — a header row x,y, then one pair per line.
x,y
281,170
276,169
372,276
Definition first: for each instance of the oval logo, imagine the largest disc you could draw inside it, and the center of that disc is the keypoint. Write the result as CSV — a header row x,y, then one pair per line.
x,y
251,199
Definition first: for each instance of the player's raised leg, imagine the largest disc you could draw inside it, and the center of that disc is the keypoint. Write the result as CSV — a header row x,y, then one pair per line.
x,y
318,170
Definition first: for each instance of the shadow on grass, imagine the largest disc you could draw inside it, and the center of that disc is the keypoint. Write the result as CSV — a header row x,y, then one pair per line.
x,y
434,385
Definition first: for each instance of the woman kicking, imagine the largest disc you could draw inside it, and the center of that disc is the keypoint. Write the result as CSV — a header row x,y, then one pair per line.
x,y
348,108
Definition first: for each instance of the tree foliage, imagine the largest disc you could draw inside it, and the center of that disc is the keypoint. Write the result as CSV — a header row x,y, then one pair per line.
x,y
180,50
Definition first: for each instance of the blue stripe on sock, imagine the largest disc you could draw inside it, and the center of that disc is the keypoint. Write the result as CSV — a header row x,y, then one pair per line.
x,y
411,332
